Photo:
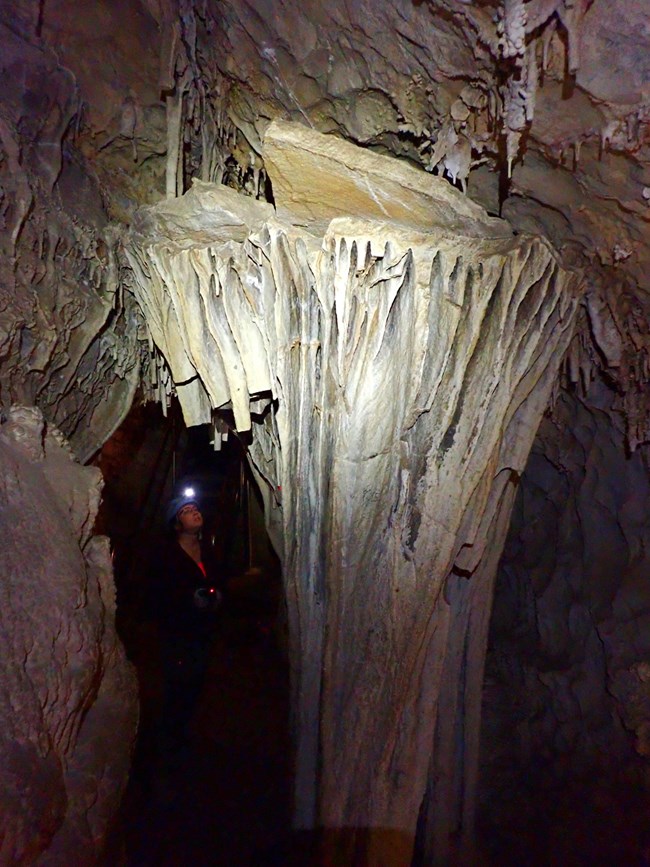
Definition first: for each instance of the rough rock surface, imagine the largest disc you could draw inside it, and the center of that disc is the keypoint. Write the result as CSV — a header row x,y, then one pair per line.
x,y
567,697
68,697
393,377
553,92
68,339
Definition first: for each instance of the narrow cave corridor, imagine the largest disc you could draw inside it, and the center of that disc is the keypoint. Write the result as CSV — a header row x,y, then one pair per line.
x,y
223,797
226,798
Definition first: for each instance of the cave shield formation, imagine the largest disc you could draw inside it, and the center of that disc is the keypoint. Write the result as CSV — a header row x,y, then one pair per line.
x,y
391,348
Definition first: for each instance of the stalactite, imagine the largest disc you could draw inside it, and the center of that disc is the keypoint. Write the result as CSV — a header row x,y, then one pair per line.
x,y
571,13
521,26
174,104
512,28
539,13
577,147
531,82
547,37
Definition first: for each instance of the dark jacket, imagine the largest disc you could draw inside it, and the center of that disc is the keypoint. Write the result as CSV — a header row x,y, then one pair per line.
x,y
186,600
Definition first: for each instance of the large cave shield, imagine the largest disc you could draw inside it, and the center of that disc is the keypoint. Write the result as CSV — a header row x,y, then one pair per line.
x,y
397,348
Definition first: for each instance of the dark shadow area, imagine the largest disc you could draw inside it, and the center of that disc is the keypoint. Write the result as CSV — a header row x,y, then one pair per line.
x,y
569,823
564,756
223,798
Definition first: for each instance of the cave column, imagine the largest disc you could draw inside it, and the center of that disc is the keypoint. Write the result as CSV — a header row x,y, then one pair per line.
x,y
405,371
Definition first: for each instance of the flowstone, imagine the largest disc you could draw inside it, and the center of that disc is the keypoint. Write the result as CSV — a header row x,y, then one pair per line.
x,y
392,349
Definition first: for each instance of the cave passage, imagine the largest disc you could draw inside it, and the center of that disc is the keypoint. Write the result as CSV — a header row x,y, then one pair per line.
x,y
223,796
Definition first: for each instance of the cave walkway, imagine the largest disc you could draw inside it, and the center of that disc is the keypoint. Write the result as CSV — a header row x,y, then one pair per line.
x,y
227,801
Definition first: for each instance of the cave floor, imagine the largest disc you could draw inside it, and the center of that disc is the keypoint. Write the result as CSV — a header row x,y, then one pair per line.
x,y
226,800
226,803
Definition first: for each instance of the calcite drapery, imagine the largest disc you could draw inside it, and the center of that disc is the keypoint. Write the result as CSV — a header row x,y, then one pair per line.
x,y
396,348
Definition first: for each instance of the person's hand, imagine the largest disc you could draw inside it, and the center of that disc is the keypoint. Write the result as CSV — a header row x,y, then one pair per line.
x,y
207,598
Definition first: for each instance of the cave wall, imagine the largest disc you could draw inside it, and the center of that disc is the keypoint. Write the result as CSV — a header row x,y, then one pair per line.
x,y
538,109
566,712
70,356
68,336
68,706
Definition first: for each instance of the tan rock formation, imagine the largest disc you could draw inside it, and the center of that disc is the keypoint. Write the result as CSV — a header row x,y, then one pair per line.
x,y
67,694
404,371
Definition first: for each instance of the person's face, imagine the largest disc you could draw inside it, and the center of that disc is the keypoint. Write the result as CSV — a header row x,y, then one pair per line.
x,y
189,518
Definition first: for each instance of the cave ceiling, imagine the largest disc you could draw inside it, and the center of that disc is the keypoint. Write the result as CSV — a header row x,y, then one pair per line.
x,y
560,88
539,111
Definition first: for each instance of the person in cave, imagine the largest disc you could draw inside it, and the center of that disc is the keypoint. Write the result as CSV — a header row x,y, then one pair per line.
x,y
188,594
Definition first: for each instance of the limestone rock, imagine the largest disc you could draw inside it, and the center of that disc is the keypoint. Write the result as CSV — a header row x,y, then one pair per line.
x,y
67,337
569,646
67,694
358,183
406,368
424,82
538,110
